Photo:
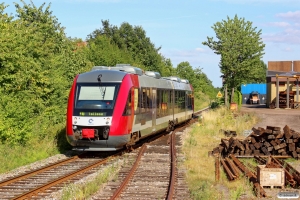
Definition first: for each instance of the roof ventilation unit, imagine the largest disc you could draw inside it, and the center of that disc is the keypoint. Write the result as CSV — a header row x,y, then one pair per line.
x,y
121,67
153,74
173,78
185,81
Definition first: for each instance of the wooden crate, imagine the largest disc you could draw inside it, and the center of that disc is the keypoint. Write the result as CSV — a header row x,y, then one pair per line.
x,y
270,176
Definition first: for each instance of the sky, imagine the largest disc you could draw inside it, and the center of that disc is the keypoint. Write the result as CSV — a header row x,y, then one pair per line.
x,y
180,26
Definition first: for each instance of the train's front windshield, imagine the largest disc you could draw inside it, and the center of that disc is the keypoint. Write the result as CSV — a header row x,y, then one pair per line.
x,y
96,95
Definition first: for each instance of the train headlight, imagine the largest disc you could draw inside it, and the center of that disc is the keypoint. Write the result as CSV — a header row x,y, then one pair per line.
x,y
74,127
107,120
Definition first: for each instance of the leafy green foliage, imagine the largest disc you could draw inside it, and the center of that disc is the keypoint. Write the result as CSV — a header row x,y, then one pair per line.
x,y
197,78
241,50
38,64
133,46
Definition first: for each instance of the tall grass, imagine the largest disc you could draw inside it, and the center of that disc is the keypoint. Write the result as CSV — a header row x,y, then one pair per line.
x,y
203,137
201,101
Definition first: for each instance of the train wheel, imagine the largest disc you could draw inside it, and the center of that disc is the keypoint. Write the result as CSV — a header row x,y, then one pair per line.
x,y
171,126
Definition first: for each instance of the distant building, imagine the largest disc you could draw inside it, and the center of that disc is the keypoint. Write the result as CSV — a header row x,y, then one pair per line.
x,y
283,84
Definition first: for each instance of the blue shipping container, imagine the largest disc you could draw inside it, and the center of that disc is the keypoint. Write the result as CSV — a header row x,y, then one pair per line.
x,y
261,88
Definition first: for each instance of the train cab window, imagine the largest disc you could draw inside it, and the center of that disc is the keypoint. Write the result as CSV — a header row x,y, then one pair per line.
x,y
95,96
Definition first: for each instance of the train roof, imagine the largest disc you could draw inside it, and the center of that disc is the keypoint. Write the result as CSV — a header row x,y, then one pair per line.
x,y
121,67
117,73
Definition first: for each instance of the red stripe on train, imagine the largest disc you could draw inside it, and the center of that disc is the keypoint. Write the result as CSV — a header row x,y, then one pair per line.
x,y
122,125
71,108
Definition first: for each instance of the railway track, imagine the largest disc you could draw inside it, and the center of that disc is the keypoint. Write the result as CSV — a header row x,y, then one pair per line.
x,y
152,173
42,182
155,174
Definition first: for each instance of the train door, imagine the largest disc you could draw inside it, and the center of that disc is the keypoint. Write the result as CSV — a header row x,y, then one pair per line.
x,y
153,99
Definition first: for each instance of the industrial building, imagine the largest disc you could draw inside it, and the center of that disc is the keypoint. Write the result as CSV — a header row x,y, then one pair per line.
x,y
282,84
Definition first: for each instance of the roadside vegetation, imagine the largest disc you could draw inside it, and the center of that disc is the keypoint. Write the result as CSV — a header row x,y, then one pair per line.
x,y
85,190
38,63
202,138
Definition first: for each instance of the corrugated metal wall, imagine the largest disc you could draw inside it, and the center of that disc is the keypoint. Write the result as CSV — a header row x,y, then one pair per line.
x,y
261,88
284,66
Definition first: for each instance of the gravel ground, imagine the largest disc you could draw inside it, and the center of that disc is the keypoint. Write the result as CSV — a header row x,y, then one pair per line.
x,y
32,166
274,117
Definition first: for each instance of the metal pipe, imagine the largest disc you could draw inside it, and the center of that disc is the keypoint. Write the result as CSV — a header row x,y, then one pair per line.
x,y
297,90
277,92
288,93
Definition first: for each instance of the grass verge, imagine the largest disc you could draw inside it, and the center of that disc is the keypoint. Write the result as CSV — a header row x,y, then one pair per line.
x,y
85,190
14,156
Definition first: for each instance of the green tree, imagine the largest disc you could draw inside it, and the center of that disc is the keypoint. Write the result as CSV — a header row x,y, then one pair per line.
x,y
197,78
37,66
185,70
131,39
241,50
104,53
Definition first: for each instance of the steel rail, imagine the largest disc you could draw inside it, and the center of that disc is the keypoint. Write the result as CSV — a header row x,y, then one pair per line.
x,y
252,177
42,188
291,169
288,175
231,176
233,167
37,171
130,174
173,168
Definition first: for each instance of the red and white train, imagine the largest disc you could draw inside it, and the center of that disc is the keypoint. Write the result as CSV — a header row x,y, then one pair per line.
x,y
110,108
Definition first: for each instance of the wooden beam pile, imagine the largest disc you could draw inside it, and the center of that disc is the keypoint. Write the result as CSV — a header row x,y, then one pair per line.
x,y
269,141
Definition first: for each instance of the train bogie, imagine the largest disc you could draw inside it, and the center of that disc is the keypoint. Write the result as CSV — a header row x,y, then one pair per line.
x,y
113,107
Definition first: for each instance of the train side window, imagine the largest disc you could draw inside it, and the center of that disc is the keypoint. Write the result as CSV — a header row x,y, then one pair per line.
x,y
136,101
149,99
144,100
176,103
127,110
182,100
158,103
189,100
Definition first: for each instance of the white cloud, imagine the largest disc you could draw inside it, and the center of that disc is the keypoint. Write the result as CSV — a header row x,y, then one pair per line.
x,y
292,16
288,49
279,24
261,1
200,50
288,36
93,1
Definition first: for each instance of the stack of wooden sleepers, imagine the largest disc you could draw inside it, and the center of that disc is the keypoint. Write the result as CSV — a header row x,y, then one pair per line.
x,y
269,141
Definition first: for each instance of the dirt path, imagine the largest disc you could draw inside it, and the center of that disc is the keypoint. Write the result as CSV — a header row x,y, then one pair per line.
x,y
274,117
